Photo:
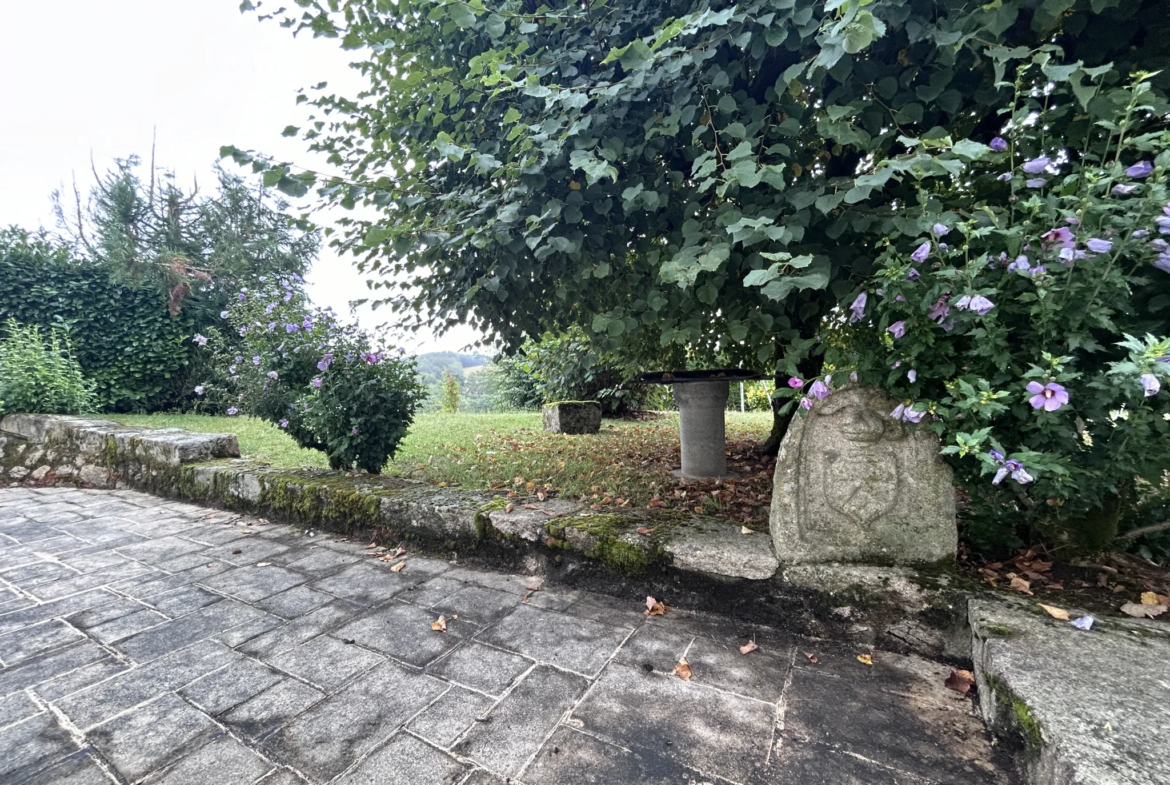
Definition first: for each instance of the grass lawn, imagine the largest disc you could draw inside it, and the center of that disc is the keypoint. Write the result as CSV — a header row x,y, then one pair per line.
x,y
628,464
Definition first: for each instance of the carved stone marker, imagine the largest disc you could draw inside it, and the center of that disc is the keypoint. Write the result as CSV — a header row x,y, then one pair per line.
x,y
576,417
853,484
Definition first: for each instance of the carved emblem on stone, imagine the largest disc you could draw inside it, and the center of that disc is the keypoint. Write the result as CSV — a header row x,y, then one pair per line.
x,y
853,484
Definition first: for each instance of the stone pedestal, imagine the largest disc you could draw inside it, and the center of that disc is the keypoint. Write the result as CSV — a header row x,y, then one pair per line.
x,y
701,428
575,417
853,484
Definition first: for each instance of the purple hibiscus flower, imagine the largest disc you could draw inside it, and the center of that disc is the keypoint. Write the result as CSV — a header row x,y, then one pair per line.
x,y
819,390
1124,190
1060,236
1097,245
939,311
921,252
223,314
805,404
906,413
1035,182
977,303
795,383
998,144
283,423
857,310
199,389
897,329
243,331
1003,178
913,275
1139,170
200,339
243,297
1048,397
1020,265
353,432
272,375
255,359
1070,255
1150,384
232,411
940,230
1036,165
268,309
996,454
1163,262
912,375
316,382
291,328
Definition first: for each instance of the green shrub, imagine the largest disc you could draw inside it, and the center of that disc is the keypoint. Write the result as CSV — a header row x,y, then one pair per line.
x,y
40,376
323,381
123,337
568,367
450,394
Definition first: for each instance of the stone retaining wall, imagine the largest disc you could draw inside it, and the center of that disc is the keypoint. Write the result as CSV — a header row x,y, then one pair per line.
x,y
666,553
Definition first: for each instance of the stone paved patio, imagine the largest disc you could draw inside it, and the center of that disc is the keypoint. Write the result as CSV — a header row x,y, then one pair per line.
x,y
143,640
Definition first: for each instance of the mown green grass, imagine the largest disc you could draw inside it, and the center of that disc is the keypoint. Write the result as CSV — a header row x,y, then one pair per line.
x,y
627,464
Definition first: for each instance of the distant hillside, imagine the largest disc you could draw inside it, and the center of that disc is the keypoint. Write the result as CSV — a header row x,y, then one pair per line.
x,y
432,364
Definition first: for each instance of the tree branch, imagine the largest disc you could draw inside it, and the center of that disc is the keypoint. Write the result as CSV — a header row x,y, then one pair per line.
x,y
1143,530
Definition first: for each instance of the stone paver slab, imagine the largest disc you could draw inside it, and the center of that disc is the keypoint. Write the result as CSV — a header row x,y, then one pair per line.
x,y
150,736
405,760
572,643
520,723
325,740
480,667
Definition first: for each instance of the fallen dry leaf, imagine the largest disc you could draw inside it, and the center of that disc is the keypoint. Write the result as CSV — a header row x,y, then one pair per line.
x,y
682,669
509,507
745,530
398,552
371,545
439,624
532,588
1153,598
644,530
398,567
748,647
1139,611
811,657
541,495
654,608
1054,612
865,659
268,564
960,681
1021,585
656,503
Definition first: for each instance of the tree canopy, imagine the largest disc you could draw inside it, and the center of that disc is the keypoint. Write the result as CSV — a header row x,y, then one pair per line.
x,y
682,178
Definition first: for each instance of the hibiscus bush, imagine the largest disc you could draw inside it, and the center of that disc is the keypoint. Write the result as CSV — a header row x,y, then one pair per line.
x,y
1019,306
323,381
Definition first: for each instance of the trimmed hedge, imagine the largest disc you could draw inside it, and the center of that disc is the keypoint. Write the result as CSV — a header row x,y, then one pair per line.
x,y
122,334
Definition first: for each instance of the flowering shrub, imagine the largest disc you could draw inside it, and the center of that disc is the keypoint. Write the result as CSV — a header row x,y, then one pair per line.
x,y
323,381
1019,306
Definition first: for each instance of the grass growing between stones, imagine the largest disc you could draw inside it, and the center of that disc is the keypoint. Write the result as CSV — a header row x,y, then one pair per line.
x,y
627,464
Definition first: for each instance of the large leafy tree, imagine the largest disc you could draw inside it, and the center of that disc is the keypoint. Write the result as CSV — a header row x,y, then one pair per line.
x,y
687,179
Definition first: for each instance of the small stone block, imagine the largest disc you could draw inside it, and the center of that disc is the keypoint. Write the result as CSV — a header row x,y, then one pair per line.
x,y
573,417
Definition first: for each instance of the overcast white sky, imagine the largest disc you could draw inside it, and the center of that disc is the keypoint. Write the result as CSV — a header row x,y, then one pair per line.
x,y
82,78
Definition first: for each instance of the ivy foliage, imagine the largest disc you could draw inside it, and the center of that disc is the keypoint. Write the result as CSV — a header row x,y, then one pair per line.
x,y
120,331
680,178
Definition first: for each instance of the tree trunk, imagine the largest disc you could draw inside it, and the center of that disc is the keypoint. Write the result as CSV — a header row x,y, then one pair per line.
x,y
810,369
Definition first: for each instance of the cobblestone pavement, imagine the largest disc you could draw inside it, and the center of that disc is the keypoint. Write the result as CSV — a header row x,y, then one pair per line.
x,y
143,640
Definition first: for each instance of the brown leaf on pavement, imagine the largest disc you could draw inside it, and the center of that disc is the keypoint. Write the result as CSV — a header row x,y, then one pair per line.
x,y
960,681
1021,585
371,546
657,503
654,608
682,669
509,507
644,530
1054,612
865,659
398,567
748,647
439,624
812,657
745,530
1139,611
